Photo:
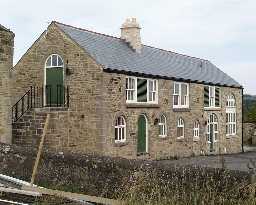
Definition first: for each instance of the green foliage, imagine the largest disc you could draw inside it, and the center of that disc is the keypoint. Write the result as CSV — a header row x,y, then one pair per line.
x,y
249,106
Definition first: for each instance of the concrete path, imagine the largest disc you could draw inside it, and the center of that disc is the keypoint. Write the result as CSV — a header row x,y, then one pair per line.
x,y
233,161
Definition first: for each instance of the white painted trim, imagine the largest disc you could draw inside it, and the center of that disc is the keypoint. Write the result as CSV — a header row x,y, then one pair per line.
x,y
179,95
214,131
213,107
147,140
45,67
135,97
118,127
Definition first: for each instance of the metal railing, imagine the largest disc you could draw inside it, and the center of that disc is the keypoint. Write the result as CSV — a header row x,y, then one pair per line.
x,y
38,97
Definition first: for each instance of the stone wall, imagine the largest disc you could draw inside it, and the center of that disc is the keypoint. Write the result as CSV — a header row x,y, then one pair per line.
x,y
6,63
79,127
250,133
115,104
97,98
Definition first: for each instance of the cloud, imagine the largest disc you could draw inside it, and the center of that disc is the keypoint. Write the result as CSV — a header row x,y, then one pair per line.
x,y
222,31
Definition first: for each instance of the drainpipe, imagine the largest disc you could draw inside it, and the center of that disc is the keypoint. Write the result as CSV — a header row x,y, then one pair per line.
x,y
242,119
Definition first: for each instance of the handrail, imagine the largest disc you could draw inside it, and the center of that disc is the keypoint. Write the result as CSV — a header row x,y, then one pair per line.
x,y
38,97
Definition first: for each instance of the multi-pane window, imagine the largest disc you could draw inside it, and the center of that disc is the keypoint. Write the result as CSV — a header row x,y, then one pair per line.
x,y
54,61
230,115
196,129
130,89
211,96
212,128
120,129
141,90
180,95
152,89
180,128
162,126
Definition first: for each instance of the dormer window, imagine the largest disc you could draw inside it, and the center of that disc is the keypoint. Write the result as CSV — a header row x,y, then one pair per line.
x,y
141,90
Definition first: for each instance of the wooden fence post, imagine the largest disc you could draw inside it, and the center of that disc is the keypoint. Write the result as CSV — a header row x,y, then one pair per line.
x,y
39,150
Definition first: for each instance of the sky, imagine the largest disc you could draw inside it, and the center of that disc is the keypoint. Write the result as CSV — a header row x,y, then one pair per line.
x,y
222,31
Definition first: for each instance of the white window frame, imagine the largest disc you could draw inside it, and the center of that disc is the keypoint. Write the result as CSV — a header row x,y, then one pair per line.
x,y
181,124
196,130
152,93
212,119
155,91
120,128
231,116
212,97
131,90
179,84
162,126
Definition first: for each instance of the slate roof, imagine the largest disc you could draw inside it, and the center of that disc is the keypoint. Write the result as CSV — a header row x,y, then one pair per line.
x,y
115,54
3,28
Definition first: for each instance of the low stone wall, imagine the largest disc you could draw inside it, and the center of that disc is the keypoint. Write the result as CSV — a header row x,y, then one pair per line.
x,y
250,133
101,176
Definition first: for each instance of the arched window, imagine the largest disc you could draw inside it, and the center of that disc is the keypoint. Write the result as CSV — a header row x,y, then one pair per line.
x,y
231,115
162,126
212,128
120,129
196,129
180,128
231,101
54,61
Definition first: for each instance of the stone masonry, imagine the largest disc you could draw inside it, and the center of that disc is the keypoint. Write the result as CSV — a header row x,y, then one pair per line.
x,y
97,98
6,63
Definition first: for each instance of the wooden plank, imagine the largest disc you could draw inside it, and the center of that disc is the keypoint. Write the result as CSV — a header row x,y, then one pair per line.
x,y
11,202
19,191
75,196
40,150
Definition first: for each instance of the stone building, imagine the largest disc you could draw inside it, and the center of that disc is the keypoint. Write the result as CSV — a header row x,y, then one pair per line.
x,y
115,96
6,63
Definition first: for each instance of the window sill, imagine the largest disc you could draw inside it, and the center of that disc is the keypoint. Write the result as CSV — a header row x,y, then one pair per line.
x,y
196,139
120,144
142,105
231,136
181,109
180,138
212,108
162,137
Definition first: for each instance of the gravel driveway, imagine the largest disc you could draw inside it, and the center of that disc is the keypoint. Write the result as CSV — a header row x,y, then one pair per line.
x,y
233,161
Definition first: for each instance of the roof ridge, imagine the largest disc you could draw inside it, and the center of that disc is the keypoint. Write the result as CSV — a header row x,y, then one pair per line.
x,y
83,29
121,39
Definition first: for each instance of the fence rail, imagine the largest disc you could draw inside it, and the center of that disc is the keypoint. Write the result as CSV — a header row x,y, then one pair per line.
x,y
38,97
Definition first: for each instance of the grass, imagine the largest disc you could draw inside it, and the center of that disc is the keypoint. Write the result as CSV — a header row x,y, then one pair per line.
x,y
187,188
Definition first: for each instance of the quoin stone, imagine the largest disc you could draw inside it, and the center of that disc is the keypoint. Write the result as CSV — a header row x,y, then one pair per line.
x,y
6,64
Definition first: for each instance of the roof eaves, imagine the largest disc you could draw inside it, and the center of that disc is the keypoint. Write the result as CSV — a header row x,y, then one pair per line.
x,y
122,71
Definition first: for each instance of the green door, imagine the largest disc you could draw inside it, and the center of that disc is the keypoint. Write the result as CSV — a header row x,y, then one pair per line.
x,y
142,134
54,86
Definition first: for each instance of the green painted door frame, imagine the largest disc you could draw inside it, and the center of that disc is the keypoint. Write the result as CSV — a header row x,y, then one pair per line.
x,y
54,88
142,135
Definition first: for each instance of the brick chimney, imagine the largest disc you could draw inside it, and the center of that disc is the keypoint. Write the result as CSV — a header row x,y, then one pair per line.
x,y
130,32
